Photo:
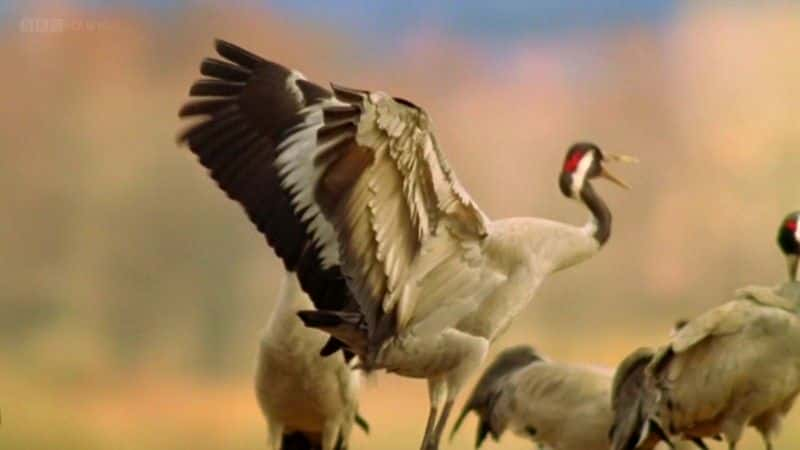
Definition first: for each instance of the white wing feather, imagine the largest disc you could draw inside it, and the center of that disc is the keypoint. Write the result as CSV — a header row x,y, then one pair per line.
x,y
407,234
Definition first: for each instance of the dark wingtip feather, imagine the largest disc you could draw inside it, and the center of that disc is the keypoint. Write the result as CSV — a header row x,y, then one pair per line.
x,y
223,70
204,107
315,319
244,108
236,54
215,88
181,137
348,95
332,346
311,91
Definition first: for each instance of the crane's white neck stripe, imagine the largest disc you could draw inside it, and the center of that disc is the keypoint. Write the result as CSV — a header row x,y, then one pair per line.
x,y
797,228
590,228
579,176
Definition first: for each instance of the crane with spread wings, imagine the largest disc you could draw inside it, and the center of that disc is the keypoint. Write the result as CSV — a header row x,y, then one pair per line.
x,y
353,193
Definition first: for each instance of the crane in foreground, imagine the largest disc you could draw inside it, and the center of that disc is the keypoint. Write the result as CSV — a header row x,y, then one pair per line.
x,y
558,406
309,402
354,195
735,365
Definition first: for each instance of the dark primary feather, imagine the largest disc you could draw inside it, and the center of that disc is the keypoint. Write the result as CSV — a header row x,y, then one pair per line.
x,y
223,70
347,327
488,387
245,107
629,401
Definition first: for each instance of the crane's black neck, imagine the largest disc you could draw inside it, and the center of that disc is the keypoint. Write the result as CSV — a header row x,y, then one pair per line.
x,y
600,212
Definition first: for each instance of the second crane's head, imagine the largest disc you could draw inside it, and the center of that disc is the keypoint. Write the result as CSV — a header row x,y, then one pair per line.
x,y
584,162
789,242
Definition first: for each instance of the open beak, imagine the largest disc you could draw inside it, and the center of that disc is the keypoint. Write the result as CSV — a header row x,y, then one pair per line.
x,y
612,157
791,264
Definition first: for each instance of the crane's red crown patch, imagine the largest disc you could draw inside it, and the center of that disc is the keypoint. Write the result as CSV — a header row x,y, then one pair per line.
x,y
571,164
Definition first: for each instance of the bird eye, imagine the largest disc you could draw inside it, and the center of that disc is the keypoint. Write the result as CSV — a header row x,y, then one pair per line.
x,y
792,224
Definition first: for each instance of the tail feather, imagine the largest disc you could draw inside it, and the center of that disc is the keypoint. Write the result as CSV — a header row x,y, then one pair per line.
x,y
659,432
347,327
486,392
480,435
334,345
631,397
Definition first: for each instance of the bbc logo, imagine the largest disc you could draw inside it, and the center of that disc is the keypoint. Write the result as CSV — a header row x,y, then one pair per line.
x,y
60,25
41,25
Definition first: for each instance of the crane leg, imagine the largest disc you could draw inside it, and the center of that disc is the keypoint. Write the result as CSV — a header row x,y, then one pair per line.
x,y
429,428
767,425
440,424
446,360
330,436
474,350
275,434
732,428
437,390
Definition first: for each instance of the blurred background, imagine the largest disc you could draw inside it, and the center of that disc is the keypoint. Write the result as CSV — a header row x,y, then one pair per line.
x,y
133,292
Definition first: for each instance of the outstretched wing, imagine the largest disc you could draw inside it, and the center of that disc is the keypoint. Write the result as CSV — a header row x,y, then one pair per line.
x,y
350,190
245,104
370,165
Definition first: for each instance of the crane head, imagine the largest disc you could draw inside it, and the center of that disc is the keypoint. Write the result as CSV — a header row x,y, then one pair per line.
x,y
789,242
585,161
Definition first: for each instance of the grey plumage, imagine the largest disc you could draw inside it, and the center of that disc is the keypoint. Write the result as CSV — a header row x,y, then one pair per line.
x,y
556,405
630,395
489,386
735,365
353,193
309,402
